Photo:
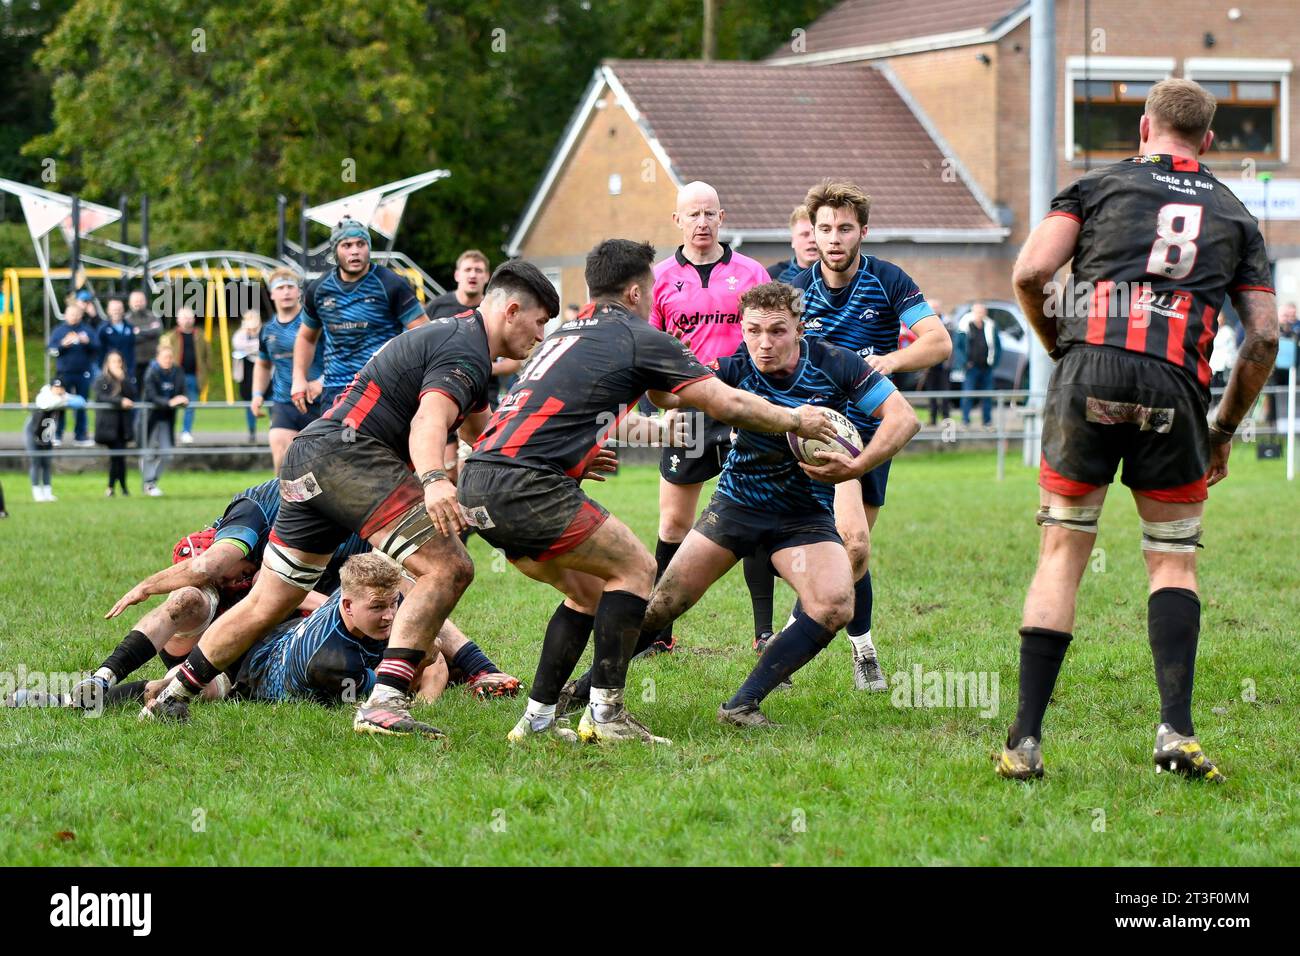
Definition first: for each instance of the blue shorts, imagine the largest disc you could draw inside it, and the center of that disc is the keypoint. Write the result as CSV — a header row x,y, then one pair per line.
x,y
745,531
286,414
873,485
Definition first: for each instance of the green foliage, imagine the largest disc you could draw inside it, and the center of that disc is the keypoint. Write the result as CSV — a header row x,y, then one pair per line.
x,y
849,779
213,108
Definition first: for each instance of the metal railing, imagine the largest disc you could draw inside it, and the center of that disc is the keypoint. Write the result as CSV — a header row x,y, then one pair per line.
x,y
1006,403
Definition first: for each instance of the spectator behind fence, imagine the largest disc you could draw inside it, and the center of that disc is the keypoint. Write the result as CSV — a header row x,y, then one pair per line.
x,y
1223,354
90,316
976,353
245,346
191,353
113,425
74,349
148,330
39,434
118,335
936,376
164,390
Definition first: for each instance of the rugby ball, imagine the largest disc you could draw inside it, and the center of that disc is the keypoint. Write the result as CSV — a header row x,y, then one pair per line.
x,y
847,441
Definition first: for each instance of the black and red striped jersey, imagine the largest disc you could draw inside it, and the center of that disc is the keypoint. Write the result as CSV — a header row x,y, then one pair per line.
x,y
578,385
448,355
1162,242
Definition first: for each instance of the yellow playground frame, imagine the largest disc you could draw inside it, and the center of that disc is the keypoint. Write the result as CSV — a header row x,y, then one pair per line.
x,y
215,302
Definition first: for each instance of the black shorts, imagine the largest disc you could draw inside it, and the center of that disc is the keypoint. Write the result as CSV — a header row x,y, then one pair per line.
x,y
1105,406
745,531
525,512
331,488
704,454
874,482
286,415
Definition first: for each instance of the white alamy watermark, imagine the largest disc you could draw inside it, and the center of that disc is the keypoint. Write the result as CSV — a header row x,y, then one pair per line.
x,y
77,909
946,690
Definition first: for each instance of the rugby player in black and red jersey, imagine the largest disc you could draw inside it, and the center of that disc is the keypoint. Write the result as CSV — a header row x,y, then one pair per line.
x,y
351,471
520,486
1157,242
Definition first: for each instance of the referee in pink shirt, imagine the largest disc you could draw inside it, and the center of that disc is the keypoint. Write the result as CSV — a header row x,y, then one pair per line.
x,y
696,294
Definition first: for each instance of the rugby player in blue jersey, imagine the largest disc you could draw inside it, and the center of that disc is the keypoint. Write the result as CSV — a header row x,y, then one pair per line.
x,y
769,502
273,374
358,306
859,302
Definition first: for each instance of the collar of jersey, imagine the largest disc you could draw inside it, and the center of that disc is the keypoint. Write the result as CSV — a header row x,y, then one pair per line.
x,y
857,276
725,257
794,377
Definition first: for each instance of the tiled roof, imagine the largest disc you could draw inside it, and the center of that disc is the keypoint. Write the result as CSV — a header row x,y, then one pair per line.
x,y
856,23
763,134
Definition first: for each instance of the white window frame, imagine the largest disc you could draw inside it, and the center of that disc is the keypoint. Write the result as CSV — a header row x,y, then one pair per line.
x,y
554,277
1234,68
1141,69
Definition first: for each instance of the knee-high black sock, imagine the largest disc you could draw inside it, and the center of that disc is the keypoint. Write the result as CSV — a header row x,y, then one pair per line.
x,y
863,600
1041,652
760,580
786,653
471,661
664,551
1174,628
196,673
131,692
566,638
130,655
617,627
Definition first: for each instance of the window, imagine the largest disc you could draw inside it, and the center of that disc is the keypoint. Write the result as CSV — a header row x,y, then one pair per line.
x,y
1251,119
1105,96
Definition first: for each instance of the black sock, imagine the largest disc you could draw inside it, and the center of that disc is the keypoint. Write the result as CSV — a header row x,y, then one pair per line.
x,y
169,660
759,579
664,551
1041,652
862,601
132,691
1173,628
786,653
566,638
471,661
397,669
617,627
130,655
197,671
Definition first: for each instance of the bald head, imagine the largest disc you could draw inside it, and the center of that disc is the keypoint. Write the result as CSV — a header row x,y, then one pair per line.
x,y
699,216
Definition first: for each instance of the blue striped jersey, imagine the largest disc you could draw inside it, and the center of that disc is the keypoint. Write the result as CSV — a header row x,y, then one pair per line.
x,y
865,315
358,317
761,470
275,345
313,658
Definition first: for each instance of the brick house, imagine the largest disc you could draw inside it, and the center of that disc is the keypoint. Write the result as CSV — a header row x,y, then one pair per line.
x,y
926,105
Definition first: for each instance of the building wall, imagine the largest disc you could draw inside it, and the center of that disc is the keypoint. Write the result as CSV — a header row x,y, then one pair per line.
x,y
580,211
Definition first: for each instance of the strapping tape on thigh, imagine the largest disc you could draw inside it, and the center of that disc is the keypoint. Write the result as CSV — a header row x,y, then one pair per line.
x,y
414,528
291,570
1180,536
1072,518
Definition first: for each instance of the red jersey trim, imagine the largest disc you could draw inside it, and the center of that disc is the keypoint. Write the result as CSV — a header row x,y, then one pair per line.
x,y
365,404
674,391
450,397
1253,288
1184,165
1054,481
1062,212
1189,493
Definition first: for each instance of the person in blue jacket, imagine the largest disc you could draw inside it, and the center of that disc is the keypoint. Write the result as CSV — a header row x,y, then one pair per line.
x,y
76,352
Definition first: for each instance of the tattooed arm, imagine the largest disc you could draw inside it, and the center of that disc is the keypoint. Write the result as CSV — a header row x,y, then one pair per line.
x,y
1258,311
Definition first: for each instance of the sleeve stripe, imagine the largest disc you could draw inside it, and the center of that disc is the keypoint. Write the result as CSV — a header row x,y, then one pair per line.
x,y
1062,212
1252,288
675,389
877,394
916,313
442,391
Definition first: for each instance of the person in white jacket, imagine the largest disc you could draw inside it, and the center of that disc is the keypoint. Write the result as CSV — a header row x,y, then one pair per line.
x,y
39,434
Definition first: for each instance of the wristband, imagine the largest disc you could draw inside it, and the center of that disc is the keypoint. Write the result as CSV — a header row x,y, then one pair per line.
x,y
259,394
429,477
1220,435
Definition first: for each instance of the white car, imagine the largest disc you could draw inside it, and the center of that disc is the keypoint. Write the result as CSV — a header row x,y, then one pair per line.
x,y
1012,370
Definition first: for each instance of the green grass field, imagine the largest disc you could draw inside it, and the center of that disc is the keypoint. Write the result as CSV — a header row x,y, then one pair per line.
x,y
849,779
